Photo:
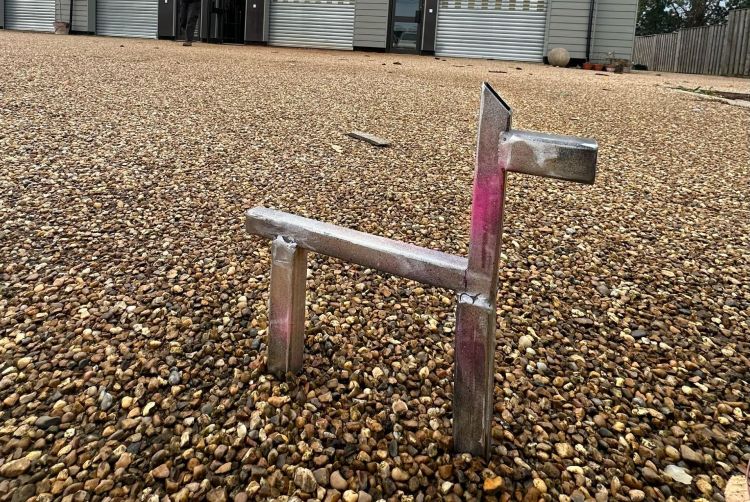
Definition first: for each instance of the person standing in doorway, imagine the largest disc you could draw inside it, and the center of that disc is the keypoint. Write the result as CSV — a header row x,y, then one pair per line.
x,y
189,12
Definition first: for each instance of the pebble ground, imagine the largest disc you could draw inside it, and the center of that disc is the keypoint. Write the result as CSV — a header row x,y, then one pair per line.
x,y
133,304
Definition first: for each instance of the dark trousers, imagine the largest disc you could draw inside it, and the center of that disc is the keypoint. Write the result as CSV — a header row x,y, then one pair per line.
x,y
189,13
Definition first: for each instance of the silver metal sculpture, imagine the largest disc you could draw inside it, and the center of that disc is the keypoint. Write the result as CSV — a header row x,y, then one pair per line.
x,y
475,279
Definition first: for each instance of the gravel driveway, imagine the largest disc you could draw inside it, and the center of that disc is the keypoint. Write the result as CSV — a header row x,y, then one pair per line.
x,y
133,304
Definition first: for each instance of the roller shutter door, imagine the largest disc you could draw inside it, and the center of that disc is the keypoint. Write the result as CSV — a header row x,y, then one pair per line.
x,y
325,24
492,29
127,18
30,15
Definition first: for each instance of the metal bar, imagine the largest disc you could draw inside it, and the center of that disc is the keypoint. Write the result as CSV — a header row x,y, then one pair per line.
x,y
475,316
473,387
560,157
388,255
286,309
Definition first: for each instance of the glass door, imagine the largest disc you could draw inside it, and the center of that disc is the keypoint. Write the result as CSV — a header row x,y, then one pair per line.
x,y
406,25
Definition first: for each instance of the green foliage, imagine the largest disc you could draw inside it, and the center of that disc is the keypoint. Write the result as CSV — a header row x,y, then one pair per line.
x,y
655,16
665,16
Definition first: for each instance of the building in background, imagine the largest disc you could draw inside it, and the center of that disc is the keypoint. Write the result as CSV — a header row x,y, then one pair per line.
x,y
517,30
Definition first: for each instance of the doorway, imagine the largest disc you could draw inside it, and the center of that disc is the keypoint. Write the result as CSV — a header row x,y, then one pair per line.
x,y
228,21
179,33
405,31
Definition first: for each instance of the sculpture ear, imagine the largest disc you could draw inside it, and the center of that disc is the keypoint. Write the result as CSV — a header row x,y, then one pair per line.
x,y
551,156
493,107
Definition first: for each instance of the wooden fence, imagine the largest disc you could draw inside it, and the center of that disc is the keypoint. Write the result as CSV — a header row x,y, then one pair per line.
x,y
709,50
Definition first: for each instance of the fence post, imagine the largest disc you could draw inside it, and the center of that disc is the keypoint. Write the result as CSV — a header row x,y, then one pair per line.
x,y
677,50
727,49
744,52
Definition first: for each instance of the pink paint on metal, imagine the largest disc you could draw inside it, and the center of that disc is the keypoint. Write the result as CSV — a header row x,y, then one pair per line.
x,y
487,203
475,315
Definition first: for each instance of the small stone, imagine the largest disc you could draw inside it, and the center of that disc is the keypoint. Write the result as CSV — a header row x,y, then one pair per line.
x,y
160,472
637,495
126,402
23,362
525,342
174,377
614,485
104,486
332,496
540,485
678,474
399,406
224,468
445,471
583,321
181,496
124,461
446,487
147,409
15,468
241,431
105,400
321,476
337,481
564,450
651,476
199,471
45,422
305,480
492,484
364,497
672,452
704,486
399,474
24,493
217,495
350,496
690,455
278,401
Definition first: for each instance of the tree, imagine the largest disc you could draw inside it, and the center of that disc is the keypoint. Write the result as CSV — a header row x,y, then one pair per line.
x,y
655,16
666,16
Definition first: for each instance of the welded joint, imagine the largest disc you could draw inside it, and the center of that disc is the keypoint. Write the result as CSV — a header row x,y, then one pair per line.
x,y
477,300
282,249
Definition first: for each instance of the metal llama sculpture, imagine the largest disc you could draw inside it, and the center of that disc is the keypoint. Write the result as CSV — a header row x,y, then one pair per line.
x,y
500,150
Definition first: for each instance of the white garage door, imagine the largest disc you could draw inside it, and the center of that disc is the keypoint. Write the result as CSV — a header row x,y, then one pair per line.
x,y
31,15
326,24
127,18
492,29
